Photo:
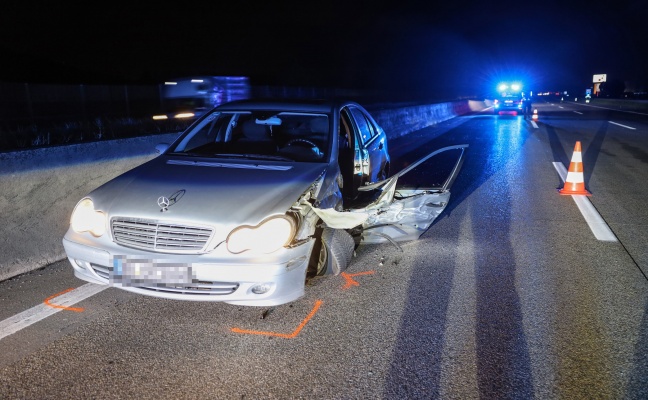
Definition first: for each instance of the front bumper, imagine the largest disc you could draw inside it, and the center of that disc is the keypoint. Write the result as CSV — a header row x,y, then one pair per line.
x,y
227,279
508,109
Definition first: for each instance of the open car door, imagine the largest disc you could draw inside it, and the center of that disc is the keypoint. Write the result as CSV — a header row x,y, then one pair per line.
x,y
413,198
402,207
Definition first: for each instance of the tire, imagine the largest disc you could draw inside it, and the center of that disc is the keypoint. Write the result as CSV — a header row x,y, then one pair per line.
x,y
335,252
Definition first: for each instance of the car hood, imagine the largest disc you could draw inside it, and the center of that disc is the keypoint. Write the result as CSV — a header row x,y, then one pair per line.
x,y
206,192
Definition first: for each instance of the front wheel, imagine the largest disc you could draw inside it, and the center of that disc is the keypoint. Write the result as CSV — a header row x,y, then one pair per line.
x,y
333,252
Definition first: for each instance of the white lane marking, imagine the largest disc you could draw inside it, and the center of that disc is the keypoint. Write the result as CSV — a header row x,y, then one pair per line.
x,y
533,123
580,113
621,125
597,225
28,317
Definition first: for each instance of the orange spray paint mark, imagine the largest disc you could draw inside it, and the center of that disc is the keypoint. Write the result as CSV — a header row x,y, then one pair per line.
x,y
75,309
352,282
292,335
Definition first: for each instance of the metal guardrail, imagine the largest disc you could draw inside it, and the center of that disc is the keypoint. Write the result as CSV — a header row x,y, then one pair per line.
x,y
619,104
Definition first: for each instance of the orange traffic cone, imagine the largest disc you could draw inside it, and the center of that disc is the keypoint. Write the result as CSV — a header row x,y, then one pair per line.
x,y
535,115
575,184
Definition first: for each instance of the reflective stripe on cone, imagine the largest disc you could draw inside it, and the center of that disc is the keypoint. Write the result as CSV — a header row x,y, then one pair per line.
x,y
575,182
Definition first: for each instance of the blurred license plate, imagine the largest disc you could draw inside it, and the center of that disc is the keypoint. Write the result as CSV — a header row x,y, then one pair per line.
x,y
131,271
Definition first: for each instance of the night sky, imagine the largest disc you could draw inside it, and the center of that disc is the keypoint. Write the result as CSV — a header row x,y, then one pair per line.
x,y
457,48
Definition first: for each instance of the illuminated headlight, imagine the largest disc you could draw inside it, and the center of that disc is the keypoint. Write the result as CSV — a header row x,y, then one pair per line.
x,y
267,237
86,219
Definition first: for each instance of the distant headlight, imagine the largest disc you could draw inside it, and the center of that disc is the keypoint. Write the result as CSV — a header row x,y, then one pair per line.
x,y
86,219
267,237
185,115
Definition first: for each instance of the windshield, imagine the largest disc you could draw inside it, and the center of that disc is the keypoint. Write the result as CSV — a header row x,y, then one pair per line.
x,y
282,136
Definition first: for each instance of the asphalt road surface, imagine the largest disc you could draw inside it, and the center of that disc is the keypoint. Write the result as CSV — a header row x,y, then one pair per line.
x,y
509,294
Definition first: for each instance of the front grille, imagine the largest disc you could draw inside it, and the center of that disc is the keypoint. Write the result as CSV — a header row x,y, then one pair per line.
x,y
164,237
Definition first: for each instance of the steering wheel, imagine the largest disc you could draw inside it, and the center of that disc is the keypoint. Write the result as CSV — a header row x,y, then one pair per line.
x,y
316,151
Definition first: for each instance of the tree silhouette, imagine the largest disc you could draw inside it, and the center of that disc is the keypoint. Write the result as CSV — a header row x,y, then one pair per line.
x,y
612,88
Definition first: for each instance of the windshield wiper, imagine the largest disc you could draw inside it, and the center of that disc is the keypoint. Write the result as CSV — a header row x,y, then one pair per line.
x,y
188,154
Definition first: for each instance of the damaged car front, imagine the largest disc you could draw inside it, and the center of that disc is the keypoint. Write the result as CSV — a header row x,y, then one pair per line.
x,y
249,202
225,213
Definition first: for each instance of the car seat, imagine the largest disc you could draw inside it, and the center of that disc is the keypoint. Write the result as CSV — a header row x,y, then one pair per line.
x,y
255,139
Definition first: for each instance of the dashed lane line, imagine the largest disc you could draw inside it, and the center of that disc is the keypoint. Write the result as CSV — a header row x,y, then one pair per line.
x,y
623,126
28,317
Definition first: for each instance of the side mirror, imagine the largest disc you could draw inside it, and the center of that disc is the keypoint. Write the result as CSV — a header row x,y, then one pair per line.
x,y
161,148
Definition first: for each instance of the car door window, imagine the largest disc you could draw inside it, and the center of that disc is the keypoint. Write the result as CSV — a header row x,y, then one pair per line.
x,y
365,128
345,139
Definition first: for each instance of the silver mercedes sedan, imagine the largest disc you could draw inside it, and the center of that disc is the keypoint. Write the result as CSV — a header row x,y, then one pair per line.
x,y
253,199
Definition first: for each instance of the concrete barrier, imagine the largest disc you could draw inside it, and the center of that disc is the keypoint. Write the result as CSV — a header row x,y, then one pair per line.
x,y
39,188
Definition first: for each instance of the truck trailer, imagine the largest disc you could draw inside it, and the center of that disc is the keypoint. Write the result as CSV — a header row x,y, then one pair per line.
x,y
190,97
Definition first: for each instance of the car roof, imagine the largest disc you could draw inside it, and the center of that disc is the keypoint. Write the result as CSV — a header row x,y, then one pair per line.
x,y
307,105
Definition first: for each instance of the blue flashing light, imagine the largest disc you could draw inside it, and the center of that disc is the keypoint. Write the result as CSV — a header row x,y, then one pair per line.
x,y
509,88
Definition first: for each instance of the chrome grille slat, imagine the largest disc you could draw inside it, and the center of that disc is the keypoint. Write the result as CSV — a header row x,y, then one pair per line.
x,y
181,230
103,272
152,235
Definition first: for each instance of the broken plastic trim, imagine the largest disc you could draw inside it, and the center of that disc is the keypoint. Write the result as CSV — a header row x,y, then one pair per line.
x,y
444,187
413,213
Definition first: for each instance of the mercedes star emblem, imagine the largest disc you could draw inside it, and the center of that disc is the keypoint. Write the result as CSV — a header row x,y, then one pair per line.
x,y
165,202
